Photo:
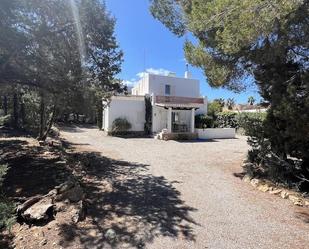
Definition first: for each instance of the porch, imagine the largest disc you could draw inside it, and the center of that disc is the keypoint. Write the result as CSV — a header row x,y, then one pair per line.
x,y
177,115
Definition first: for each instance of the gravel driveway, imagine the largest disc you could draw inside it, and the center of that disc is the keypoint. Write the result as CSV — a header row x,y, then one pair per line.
x,y
191,197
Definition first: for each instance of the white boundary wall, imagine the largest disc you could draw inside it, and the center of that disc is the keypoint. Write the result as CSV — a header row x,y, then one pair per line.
x,y
130,107
216,133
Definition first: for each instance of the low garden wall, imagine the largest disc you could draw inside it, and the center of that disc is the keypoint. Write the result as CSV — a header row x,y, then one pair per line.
x,y
213,133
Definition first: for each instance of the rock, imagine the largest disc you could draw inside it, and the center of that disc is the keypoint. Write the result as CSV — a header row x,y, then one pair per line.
x,y
298,203
53,192
306,203
110,235
246,178
70,190
263,187
60,206
275,191
65,186
41,210
43,242
284,194
255,182
294,198
92,233
21,208
247,165
79,213
74,194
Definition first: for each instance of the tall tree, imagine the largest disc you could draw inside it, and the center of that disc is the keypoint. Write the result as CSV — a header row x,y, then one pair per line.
x,y
230,34
265,40
251,100
230,103
58,50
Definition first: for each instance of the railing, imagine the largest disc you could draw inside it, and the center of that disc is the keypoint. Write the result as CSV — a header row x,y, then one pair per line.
x,y
179,100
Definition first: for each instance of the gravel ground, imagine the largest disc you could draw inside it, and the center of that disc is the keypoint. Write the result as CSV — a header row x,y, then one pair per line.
x,y
219,210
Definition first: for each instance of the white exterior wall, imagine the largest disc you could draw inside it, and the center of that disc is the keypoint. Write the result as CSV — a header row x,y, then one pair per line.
x,y
155,84
179,86
216,133
159,118
142,87
131,108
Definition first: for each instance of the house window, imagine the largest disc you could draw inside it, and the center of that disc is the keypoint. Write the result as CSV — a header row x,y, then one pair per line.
x,y
167,89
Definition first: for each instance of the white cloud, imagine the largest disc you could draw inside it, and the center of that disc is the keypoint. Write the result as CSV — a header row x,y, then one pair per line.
x,y
158,71
130,82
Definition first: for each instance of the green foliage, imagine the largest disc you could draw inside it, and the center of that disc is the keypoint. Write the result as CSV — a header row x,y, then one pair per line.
x,y
266,41
251,100
3,170
121,125
230,34
251,122
7,218
287,124
5,120
55,64
203,121
214,108
230,103
227,120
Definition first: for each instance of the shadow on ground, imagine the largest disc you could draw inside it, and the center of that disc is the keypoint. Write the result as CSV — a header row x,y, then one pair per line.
x,y
124,197
32,169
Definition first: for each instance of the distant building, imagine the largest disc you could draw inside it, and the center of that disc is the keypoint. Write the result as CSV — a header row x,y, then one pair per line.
x,y
251,108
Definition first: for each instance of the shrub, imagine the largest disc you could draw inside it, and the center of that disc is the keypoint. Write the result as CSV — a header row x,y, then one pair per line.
x,y
248,121
5,120
203,121
227,120
214,108
121,125
7,217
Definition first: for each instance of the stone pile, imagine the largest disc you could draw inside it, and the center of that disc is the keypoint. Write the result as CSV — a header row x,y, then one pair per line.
x,y
42,208
267,186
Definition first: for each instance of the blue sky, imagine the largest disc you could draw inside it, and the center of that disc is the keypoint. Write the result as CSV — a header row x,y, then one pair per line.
x,y
147,44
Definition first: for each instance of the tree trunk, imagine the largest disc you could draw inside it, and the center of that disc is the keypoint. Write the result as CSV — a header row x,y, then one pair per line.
x,y
42,117
22,114
15,110
99,114
50,123
5,105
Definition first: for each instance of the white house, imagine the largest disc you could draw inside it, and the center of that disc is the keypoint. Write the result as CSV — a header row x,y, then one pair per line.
x,y
175,102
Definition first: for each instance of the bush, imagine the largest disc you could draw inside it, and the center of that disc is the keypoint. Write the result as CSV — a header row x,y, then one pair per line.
x,y
203,121
5,120
214,108
121,125
251,122
7,217
227,120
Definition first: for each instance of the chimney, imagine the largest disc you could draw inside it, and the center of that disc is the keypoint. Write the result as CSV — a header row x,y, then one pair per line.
x,y
187,73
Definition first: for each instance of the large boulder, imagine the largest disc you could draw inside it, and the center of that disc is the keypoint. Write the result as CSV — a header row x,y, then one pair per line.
x,y
71,191
39,211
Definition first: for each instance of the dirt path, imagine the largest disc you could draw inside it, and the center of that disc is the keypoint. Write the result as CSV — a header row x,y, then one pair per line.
x,y
183,195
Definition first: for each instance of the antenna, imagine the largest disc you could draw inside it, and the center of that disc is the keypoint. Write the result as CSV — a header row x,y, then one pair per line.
x,y
144,70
